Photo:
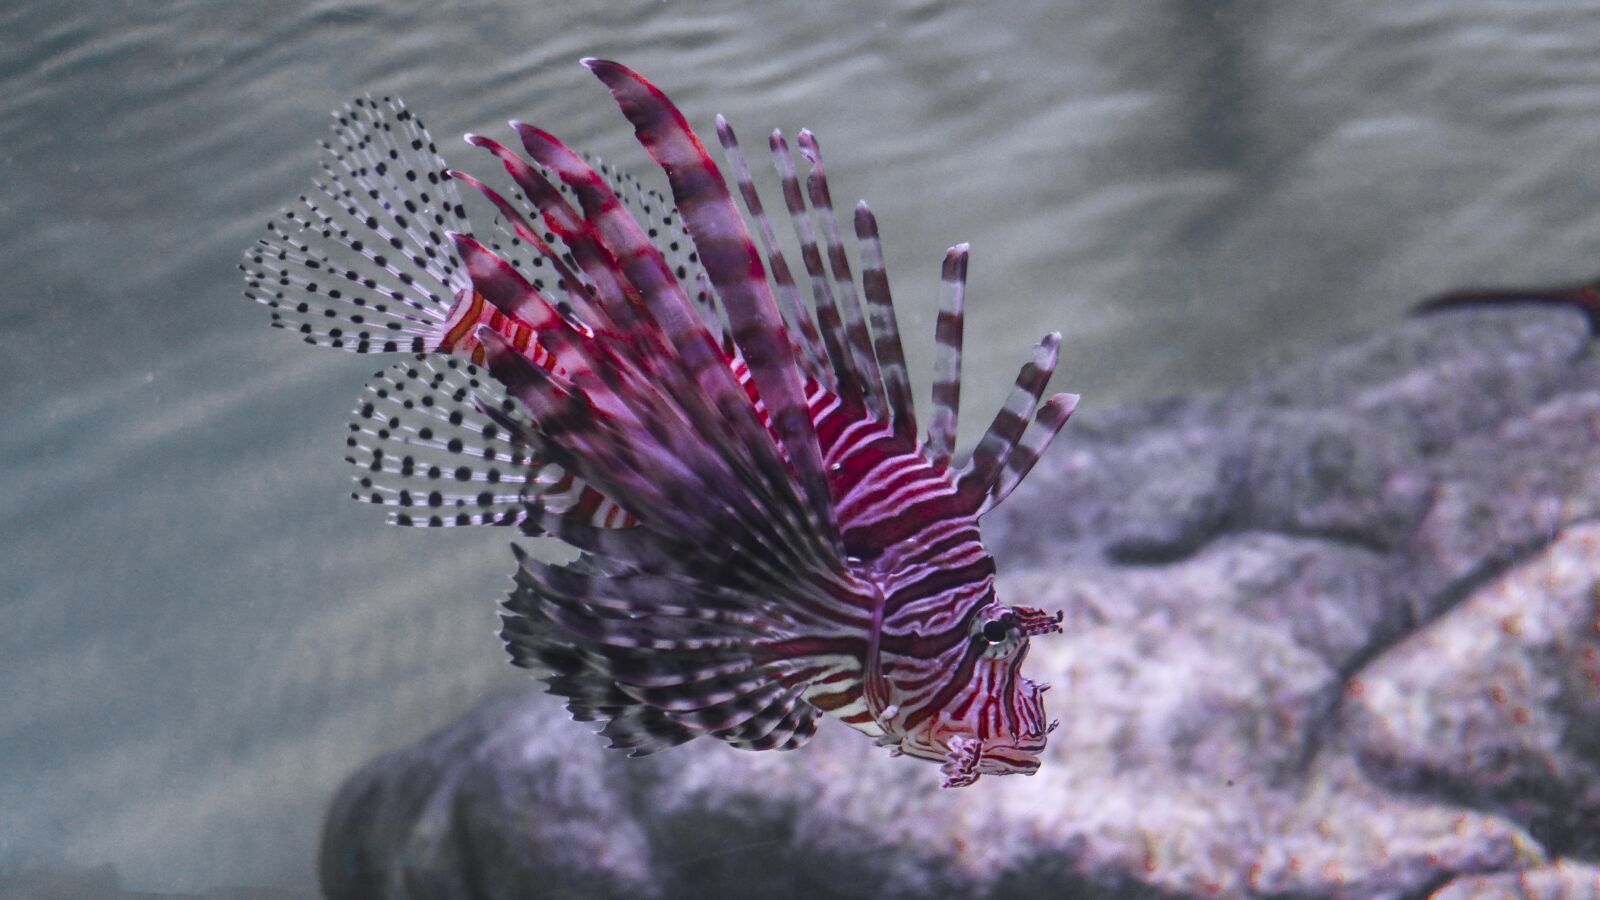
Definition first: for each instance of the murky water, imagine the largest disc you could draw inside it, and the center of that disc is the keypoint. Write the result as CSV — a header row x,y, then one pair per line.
x,y
199,637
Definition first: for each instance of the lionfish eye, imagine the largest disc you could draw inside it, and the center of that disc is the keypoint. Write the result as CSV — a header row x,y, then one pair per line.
x,y
995,631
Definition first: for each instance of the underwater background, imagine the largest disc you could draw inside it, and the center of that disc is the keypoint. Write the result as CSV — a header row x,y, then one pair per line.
x,y
201,637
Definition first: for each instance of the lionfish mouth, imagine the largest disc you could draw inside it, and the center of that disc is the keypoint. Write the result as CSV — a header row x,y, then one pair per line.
x,y
1003,760
1019,755
966,758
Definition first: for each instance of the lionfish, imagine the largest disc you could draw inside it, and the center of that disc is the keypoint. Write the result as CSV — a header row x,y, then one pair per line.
x,y
762,536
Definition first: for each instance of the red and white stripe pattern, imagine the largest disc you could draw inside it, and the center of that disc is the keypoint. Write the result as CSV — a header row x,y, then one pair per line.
x,y
763,537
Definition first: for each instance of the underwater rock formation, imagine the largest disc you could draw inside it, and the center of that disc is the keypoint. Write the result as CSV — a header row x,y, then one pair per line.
x,y
1561,881
1334,633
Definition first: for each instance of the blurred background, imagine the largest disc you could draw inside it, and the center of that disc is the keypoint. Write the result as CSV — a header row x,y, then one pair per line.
x,y
200,636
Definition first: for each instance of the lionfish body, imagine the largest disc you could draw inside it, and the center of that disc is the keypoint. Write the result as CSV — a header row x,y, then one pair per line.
x,y
763,535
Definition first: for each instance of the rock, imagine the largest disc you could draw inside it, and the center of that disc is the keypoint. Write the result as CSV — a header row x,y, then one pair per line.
x,y
1498,702
1562,881
1331,634
495,795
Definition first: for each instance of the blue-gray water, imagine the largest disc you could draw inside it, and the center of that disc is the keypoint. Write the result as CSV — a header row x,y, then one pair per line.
x,y
200,636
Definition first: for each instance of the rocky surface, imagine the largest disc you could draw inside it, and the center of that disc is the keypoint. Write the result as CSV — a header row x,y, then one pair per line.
x,y
1335,633
1561,881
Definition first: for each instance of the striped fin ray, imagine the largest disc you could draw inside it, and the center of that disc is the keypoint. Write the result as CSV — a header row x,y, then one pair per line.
x,y
631,244
668,335
525,319
661,472
547,265
577,304
616,606
474,311
885,326
1035,440
676,478
613,307
367,266
734,266
624,301
629,250
503,286
855,324
947,359
664,229
691,572
569,430
568,672
640,730
829,322
554,341
620,301
764,729
422,447
797,726
810,344
977,480
643,651
505,239
716,426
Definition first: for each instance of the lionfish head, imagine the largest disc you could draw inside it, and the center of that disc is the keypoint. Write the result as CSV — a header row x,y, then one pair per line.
x,y
989,719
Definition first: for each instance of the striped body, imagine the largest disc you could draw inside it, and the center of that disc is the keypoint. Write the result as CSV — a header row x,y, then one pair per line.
x,y
764,537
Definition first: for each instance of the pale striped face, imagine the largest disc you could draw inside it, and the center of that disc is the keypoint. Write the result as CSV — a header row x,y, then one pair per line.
x,y
962,695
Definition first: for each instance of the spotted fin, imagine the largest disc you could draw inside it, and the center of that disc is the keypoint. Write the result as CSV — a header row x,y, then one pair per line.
x,y
365,264
424,448
373,262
